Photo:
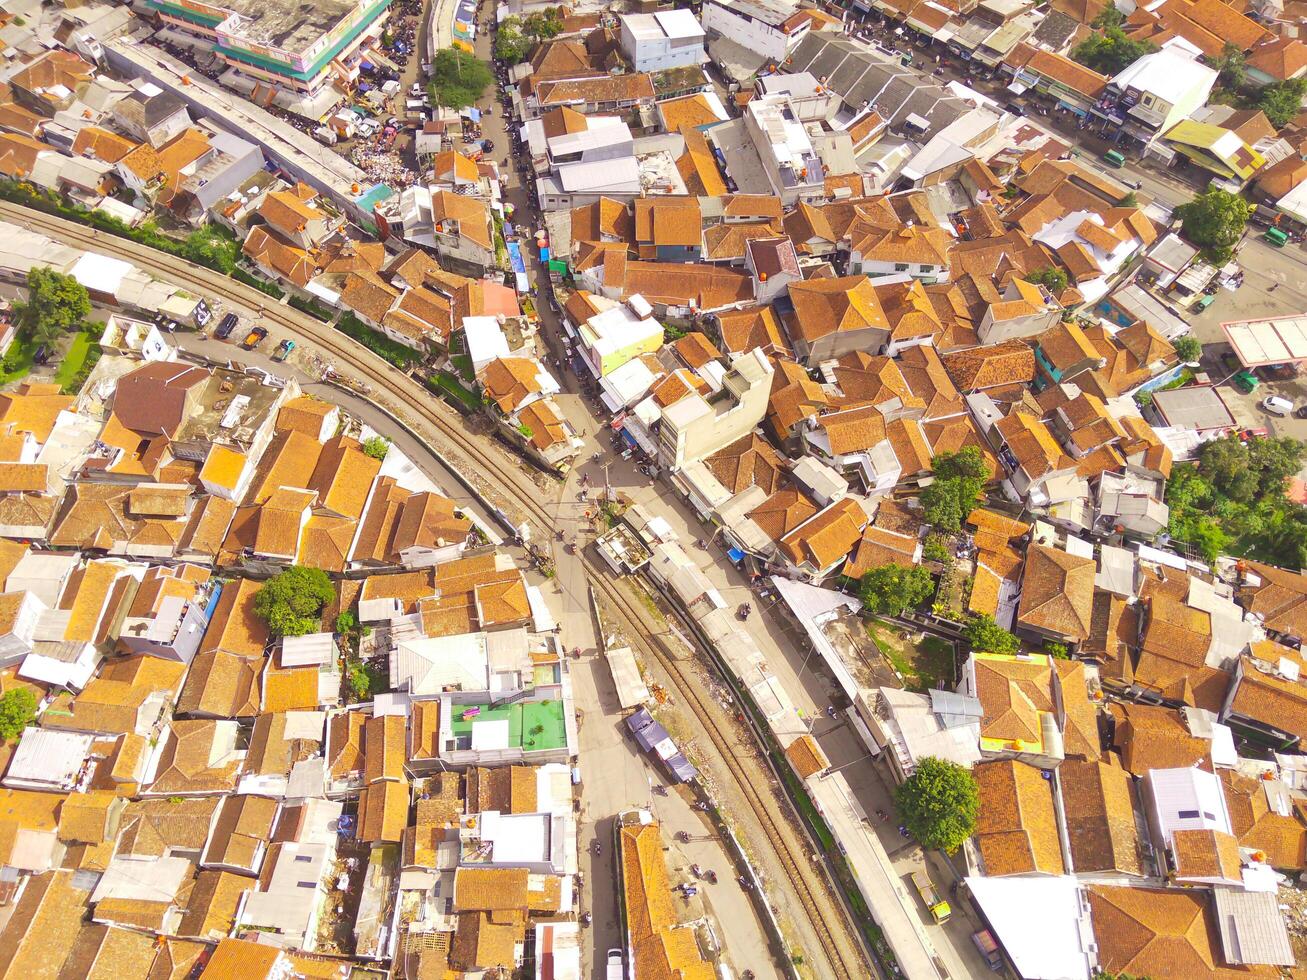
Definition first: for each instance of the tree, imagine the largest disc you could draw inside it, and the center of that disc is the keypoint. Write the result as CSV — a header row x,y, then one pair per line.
x,y
377,447
968,461
1051,277
1281,101
211,246
1109,52
1107,18
1231,67
56,304
17,711
291,602
458,78
544,24
936,548
1057,651
1130,200
949,499
890,589
1214,221
1188,349
986,636
939,804
512,45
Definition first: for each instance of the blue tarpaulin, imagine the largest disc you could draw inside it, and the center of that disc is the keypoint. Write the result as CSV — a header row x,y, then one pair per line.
x,y
473,113
735,554
544,255
515,257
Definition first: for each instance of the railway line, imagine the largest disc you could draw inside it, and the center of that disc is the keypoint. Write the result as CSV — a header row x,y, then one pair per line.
x,y
422,411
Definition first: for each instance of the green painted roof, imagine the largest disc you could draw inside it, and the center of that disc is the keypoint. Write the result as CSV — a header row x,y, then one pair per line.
x,y
194,16
523,718
280,68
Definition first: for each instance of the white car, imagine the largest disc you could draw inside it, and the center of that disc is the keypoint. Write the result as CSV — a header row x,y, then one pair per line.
x,y
1277,406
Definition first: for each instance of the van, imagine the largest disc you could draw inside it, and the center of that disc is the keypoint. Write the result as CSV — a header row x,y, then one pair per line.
x,y
1275,405
1114,158
1276,237
615,971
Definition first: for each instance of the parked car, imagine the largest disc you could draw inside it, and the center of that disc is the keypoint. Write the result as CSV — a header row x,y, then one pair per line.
x,y
42,354
1246,382
226,325
1300,412
1276,405
614,964
283,350
253,338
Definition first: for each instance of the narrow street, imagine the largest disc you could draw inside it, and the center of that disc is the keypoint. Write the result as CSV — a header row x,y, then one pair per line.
x,y
615,776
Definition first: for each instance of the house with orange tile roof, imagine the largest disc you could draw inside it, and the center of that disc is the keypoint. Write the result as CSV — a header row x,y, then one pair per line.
x,y
818,547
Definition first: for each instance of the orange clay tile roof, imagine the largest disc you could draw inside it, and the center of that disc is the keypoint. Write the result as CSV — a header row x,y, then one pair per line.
x,y
828,537
1013,693
1151,737
1057,592
1281,836
826,306
1017,829
1206,854
1151,932
688,110
223,467
291,689
806,756
658,951
1099,801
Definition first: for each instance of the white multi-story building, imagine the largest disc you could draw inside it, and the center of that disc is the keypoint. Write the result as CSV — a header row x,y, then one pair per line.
x,y
770,28
785,149
667,39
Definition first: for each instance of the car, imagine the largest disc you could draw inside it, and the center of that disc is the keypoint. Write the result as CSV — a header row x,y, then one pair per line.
x,y
283,350
614,970
42,354
1300,412
226,325
1275,405
1246,381
253,338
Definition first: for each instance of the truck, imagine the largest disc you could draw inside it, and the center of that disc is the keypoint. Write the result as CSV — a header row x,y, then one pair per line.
x,y
987,946
253,338
936,906
283,350
615,971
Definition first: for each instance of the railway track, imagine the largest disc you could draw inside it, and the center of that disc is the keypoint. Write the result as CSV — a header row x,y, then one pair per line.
x,y
842,952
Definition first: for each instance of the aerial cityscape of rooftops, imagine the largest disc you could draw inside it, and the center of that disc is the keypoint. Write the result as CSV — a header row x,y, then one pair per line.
x,y
653,490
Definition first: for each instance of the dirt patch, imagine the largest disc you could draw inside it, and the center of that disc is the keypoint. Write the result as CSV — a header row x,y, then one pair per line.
x,y
922,662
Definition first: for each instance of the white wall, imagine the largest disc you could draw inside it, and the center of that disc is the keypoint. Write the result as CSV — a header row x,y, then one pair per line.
x,y
752,34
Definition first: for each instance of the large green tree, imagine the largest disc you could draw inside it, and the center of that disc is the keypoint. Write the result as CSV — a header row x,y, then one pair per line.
x,y
17,710
458,78
1281,101
1214,221
1188,349
56,304
986,636
959,481
512,44
939,804
291,602
890,589
212,246
1109,52
1231,66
